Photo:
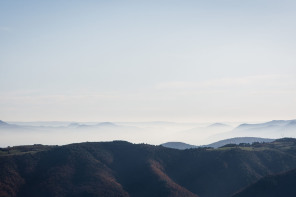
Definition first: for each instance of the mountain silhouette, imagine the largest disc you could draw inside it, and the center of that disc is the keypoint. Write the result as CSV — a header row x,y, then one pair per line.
x,y
279,185
121,168
237,140
178,145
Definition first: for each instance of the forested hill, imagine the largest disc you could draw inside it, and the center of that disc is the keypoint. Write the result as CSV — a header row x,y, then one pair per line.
x,y
123,169
283,184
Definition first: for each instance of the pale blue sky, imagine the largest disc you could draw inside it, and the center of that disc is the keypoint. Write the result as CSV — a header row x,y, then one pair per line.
x,y
226,60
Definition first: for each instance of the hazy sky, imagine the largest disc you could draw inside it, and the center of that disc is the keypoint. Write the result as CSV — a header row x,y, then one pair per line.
x,y
174,60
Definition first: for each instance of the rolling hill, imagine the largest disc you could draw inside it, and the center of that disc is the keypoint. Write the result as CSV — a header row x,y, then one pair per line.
x,y
123,169
237,140
275,127
178,145
279,185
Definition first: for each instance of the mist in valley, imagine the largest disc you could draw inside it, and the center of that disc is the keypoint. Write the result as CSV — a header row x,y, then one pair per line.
x,y
155,133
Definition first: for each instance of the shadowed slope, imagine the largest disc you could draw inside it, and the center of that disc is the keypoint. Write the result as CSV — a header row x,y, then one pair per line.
x,y
124,169
272,186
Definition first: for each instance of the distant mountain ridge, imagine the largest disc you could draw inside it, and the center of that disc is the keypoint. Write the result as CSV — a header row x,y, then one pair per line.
x,y
218,125
237,140
273,129
15,133
3,123
101,124
274,124
178,145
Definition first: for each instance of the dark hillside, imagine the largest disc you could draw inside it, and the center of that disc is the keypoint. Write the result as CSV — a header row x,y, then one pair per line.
x,y
272,186
124,169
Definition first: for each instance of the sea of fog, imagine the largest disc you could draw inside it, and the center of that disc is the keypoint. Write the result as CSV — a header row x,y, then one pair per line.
x,y
60,133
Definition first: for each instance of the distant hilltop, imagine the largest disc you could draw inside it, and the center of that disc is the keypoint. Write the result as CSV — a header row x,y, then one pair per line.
x,y
3,123
237,141
218,125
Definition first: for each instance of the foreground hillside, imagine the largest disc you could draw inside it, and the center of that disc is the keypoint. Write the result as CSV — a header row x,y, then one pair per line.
x,y
124,169
272,186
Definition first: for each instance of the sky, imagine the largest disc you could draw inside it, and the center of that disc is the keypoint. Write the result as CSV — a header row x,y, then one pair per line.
x,y
165,60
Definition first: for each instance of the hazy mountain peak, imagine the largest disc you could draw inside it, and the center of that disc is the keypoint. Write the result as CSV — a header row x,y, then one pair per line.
x,y
178,145
238,140
74,124
292,122
107,124
218,125
269,125
3,123
244,125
